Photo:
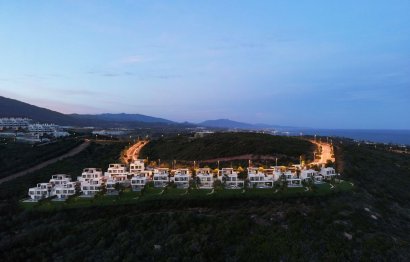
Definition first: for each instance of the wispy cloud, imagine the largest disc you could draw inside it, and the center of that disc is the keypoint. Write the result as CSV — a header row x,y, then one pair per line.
x,y
133,59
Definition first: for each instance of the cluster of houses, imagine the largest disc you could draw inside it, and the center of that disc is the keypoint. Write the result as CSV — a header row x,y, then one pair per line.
x,y
136,176
24,130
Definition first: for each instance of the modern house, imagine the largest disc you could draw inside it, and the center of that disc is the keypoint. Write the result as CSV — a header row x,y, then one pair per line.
x,y
258,179
230,178
137,166
63,191
205,178
310,174
328,173
161,177
292,179
138,182
41,191
110,187
91,173
60,179
117,172
91,187
181,178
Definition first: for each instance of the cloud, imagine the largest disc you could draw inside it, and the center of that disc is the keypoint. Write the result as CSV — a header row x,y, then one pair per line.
x,y
134,59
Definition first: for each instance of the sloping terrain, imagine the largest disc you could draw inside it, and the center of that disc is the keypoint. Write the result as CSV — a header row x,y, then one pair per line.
x,y
221,145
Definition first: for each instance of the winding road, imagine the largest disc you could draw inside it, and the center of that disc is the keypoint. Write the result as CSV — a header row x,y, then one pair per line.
x,y
70,153
327,152
132,153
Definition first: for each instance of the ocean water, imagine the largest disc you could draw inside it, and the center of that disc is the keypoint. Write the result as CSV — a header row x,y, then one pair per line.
x,y
400,137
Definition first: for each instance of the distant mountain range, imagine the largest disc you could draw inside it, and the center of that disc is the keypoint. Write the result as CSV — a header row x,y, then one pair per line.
x,y
122,117
14,108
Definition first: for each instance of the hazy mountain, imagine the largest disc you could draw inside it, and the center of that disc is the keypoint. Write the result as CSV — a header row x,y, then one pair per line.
x,y
124,118
14,108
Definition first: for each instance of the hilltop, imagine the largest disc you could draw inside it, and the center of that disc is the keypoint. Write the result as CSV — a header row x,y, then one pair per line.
x,y
220,145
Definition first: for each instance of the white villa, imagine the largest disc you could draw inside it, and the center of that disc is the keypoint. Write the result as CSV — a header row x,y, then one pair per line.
x,y
310,174
59,185
292,179
138,182
328,172
91,187
110,186
117,172
91,173
63,191
41,191
230,178
60,179
137,166
161,177
182,177
259,179
205,178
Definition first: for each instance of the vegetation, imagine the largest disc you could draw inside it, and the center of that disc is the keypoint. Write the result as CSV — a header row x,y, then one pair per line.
x,y
221,145
15,157
369,224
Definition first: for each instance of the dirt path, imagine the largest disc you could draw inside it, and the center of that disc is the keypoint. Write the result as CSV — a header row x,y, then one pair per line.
x,y
70,153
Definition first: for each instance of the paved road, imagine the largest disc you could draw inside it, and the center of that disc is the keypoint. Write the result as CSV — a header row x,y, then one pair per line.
x,y
70,153
326,153
133,152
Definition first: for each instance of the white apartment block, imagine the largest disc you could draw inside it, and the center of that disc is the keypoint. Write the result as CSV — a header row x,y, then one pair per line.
x,y
181,178
117,172
161,177
230,178
138,183
205,178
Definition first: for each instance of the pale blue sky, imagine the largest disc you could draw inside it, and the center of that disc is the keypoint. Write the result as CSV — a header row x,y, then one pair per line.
x,y
300,63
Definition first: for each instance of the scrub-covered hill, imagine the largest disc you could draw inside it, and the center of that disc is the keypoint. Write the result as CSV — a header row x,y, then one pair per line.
x,y
220,145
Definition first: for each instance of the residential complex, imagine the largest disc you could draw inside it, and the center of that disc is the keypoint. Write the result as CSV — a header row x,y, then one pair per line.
x,y
136,176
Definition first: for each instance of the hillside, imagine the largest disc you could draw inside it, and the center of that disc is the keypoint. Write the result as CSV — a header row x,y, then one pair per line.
x,y
370,224
14,108
226,145
123,118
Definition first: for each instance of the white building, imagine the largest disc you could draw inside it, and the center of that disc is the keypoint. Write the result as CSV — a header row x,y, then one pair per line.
x,y
138,183
91,187
110,186
117,172
310,174
292,179
137,166
328,173
259,179
161,177
181,178
14,123
63,191
205,178
91,173
60,179
230,178
41,191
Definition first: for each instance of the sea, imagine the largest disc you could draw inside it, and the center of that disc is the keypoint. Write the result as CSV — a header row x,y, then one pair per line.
x,y
398,137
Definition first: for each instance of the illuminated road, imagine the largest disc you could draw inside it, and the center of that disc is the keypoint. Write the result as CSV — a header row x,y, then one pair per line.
x,y
132,153
327,152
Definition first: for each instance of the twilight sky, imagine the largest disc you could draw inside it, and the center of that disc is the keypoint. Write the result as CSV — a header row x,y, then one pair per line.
x,y
301,63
